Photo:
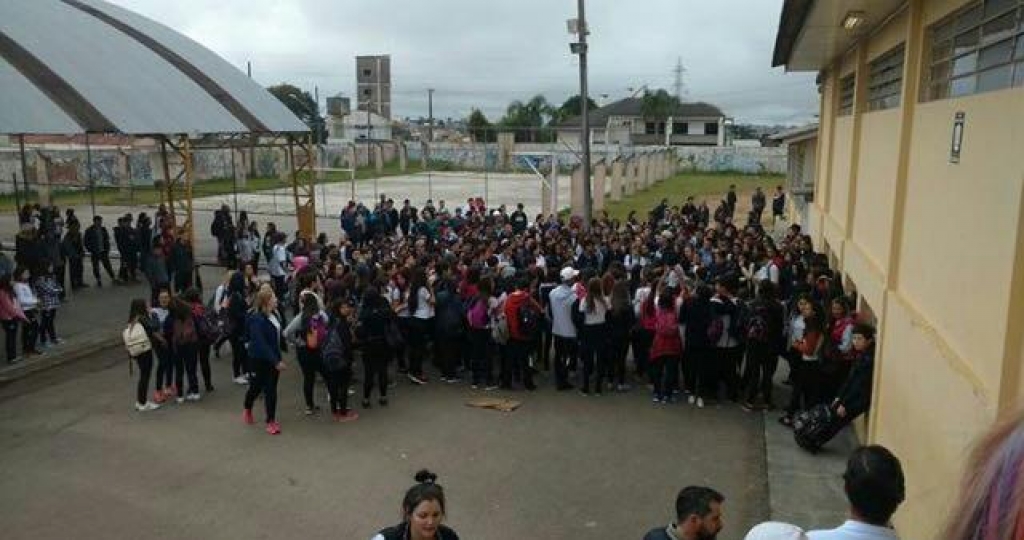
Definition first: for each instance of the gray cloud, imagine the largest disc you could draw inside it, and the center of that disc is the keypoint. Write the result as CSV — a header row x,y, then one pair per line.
x,y
485,53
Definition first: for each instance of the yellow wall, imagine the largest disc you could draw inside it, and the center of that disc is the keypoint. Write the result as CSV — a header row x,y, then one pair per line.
x,y
937,250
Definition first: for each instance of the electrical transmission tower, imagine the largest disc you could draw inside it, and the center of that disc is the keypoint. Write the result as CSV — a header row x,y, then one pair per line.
x,y
679,70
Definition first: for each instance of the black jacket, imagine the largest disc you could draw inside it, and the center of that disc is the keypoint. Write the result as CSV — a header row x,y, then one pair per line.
x,y
97,239
855,393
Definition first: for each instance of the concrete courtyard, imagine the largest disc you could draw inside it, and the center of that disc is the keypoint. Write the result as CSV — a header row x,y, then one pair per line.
x,y
76,460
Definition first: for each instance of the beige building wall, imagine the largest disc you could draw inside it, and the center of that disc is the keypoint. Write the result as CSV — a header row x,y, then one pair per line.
x,y
936,250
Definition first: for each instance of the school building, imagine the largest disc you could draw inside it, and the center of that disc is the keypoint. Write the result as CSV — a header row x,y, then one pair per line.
x,y
919,202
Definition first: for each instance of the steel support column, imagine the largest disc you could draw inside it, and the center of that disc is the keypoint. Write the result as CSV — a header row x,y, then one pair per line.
x,y
177,192
303,180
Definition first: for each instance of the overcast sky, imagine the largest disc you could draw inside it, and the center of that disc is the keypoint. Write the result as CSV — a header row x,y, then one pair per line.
x,y
486,53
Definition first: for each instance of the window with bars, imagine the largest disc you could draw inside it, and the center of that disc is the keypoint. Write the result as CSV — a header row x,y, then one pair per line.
x,y
885,80
977,49
680,128
846,86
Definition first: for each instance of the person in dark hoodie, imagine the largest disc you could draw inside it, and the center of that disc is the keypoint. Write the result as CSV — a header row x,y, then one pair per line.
x,y
233,311
181,263
854,396
97,242
423,510
698,360
263,332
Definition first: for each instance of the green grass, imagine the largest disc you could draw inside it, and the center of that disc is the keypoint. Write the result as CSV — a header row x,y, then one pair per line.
x,y
147,195
708,186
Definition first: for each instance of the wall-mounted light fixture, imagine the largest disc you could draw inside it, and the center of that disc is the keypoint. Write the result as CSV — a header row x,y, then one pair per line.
x,y
958,138
853,20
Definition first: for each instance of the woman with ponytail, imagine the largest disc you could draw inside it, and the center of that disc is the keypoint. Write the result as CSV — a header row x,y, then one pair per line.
x,y
423,509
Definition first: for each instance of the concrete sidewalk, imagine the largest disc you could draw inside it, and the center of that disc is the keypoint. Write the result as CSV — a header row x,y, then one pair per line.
x,y
90,321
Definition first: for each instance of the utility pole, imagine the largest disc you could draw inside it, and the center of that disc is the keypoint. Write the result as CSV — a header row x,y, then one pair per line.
x,y
582,31
679,78
430,115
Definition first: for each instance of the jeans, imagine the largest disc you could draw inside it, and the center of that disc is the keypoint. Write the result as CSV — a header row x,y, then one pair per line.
x,y
375,368
337,387
592,351
47,331
264,383
664,374
311,363
239,357
617,351
483,369
727,362
760,369
145,362
565,354
404,327
185,363
519,356
642,339
419,332
203,352
11,339
448,349
164,367
101,259
806,376
30,331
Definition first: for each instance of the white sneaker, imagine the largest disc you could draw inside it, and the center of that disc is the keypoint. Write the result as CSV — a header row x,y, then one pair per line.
x,y
691,400
241,380
179,399
700,403
140,407
192,397
150,406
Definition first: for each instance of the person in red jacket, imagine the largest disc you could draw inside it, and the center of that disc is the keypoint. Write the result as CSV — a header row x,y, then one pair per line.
x,y
524,315
667,349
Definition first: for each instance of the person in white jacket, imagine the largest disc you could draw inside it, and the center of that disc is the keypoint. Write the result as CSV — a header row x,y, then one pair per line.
x,y
560,303
29,302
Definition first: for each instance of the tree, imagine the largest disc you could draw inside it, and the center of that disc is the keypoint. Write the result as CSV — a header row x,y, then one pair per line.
x,y
659,105
302,104
532,115
572,107
480,127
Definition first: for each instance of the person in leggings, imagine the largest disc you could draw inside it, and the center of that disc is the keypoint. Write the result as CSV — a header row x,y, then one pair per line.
x,y
302,332
138,313
195,302
371,331
264,335
164,387
233,313
339,368
182,329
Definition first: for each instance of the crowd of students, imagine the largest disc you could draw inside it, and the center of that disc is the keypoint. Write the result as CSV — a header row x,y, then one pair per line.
x,y
49,259
698,311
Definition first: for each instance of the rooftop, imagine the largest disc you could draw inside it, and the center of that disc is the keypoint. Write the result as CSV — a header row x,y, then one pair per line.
x,y
634,107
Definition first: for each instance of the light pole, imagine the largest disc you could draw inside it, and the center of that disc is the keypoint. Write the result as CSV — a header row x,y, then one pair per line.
x,y
578,26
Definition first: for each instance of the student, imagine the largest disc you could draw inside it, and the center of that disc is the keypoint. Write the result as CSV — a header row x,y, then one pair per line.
x,y
97,242
182,332
337,359
263,331
49,300
854,396
164,387
235,311
371,330
524,315
139,336
308,331
11,315
763,333
874,487
560,305
479,321
423,510
421,308
778,205
592,334
667,348
698,516
620,320
209,333
29,303
699,373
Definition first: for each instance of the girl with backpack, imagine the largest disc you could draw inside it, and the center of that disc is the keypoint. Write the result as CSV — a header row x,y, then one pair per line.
x,y
838,350
666,349
308,331
263,331
208,330
337,360
139,337
806,361
593,345
183,335
478,317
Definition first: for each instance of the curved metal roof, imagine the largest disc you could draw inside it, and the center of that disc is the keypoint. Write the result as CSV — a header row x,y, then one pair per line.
x,y
74,66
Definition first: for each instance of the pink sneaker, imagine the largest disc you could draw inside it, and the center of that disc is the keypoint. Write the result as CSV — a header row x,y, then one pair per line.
x,y
273,428
158,396
247,416
346,417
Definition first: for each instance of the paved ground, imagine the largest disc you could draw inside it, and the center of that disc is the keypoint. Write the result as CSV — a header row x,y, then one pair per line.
x,y
73,454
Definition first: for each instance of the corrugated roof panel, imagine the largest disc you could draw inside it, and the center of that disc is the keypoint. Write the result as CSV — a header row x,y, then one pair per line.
x,y
26,109
129,84
251,95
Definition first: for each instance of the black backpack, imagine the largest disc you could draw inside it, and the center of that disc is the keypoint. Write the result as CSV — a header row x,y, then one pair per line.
x,y
335,357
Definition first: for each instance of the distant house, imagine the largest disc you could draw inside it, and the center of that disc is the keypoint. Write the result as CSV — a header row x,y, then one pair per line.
x,y
623,122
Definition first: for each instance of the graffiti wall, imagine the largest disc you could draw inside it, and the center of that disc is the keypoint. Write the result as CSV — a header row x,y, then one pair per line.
x,y
733,159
